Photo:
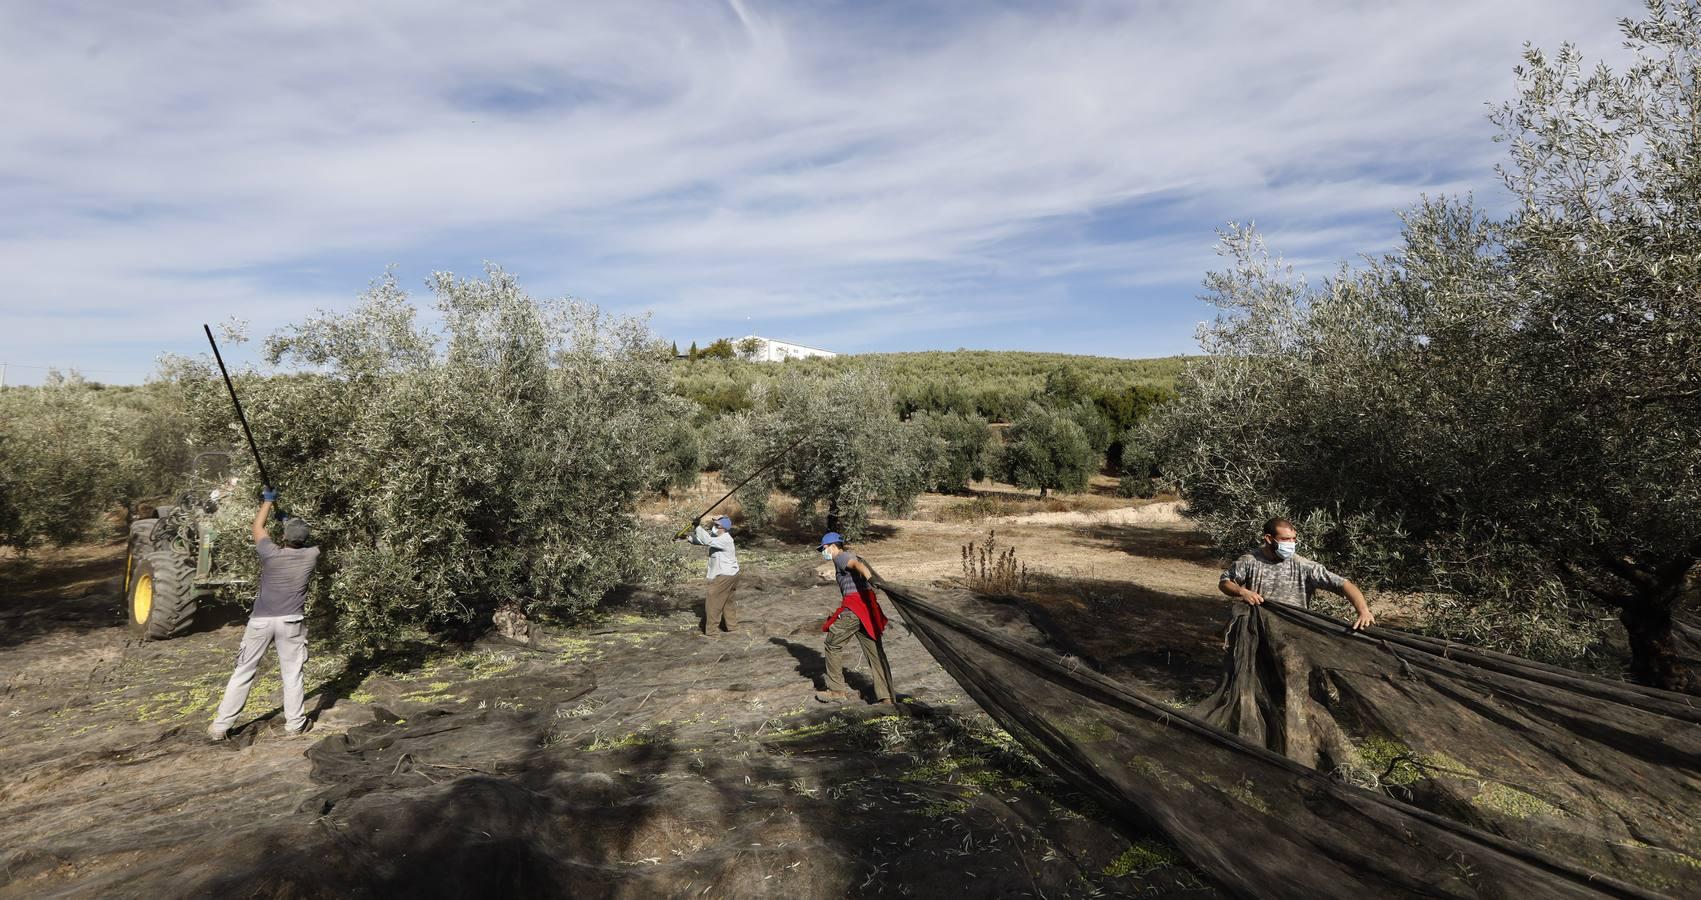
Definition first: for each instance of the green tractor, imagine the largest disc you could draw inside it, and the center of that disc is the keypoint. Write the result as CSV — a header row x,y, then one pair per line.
x,y
173,562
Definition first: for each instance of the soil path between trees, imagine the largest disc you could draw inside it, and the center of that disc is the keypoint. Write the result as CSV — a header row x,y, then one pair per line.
x,y
630,757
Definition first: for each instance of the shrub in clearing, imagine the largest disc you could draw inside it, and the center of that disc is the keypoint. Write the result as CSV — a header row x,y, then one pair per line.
x,y
961,449
449,469
1046,449
1139,466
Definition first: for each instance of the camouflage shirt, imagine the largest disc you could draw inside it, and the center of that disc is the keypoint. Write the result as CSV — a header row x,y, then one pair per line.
x,y
1291,581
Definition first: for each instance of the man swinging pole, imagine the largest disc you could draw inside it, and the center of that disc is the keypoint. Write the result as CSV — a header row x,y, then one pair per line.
x,y
279,619
719,608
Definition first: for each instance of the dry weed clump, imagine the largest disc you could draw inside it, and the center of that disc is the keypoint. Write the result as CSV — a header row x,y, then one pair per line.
x,y
987,568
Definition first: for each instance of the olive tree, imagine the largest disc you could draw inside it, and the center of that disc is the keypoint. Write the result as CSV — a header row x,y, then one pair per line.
x,y
1137,465
681,457
1503,413
447,468
1605,254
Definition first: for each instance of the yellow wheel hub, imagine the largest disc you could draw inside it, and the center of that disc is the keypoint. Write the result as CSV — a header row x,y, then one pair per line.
x,y
143,602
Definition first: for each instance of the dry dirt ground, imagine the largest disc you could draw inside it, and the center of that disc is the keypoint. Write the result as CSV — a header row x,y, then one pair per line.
x,y
629,757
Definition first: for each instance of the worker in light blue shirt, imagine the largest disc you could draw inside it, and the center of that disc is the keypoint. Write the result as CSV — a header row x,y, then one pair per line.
x,y
720,611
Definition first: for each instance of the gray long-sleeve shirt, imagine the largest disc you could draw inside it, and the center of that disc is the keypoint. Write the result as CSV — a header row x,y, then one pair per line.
x,y
723,557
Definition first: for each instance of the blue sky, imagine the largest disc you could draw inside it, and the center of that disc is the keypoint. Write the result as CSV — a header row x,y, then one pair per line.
x,y
858,176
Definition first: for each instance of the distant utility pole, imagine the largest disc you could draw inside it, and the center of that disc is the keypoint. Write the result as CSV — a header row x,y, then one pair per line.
x,y
2,376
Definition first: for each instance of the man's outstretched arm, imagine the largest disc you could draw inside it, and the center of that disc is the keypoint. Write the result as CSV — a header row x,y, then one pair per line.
x,y
267,498
1356,597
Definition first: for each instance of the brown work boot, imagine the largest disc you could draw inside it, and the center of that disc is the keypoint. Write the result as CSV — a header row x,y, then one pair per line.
x,y
832,696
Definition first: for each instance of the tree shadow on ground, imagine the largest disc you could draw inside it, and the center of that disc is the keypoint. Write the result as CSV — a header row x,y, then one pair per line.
x,y
648,601
845,807
789,527
1167,643
453,804
361,666
25,620
1015,494
812,664
45,597
458,802
1152,543
211,616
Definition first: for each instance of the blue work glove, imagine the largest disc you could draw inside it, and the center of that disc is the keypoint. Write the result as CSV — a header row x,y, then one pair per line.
x,y
270,495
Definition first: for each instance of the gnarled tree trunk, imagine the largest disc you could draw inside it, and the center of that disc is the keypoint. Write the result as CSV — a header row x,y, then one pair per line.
x,y
1656,658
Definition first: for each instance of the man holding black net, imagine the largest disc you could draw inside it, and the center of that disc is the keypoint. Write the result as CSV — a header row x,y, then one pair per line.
x,y
865,624
1276,572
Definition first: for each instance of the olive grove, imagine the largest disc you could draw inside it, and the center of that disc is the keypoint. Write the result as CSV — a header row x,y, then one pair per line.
x,y
851,450
74,452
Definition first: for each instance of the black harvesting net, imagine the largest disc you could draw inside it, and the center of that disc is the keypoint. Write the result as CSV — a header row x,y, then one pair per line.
x,y
1330,763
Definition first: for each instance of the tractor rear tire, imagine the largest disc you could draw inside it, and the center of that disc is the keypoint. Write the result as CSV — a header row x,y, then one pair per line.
x,y
161,595
142,542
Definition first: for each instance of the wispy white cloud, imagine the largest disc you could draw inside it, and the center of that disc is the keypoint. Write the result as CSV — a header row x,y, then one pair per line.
x,y
952,173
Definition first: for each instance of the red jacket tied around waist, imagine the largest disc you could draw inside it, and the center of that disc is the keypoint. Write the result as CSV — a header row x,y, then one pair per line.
x,y
865,607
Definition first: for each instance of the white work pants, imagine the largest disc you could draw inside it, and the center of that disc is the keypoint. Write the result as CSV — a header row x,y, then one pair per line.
x,y
289,633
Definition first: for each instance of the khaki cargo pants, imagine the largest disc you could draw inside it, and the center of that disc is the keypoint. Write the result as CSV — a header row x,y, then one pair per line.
x,y
844,628
289,633
720,607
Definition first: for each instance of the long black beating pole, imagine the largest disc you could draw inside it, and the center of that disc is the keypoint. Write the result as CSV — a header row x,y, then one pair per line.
x,y
265,479
765,467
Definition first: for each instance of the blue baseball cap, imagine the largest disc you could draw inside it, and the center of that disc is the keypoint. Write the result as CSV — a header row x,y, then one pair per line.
x,y
831,537
725,523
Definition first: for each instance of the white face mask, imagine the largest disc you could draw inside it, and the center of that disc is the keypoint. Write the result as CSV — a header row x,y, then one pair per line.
x,y
1285,549
826,553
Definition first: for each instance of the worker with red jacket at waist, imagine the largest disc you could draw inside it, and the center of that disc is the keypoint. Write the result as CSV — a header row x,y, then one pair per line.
x,y
866,623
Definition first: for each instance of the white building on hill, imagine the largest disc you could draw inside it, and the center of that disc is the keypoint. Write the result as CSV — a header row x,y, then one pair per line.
x,y
770,350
